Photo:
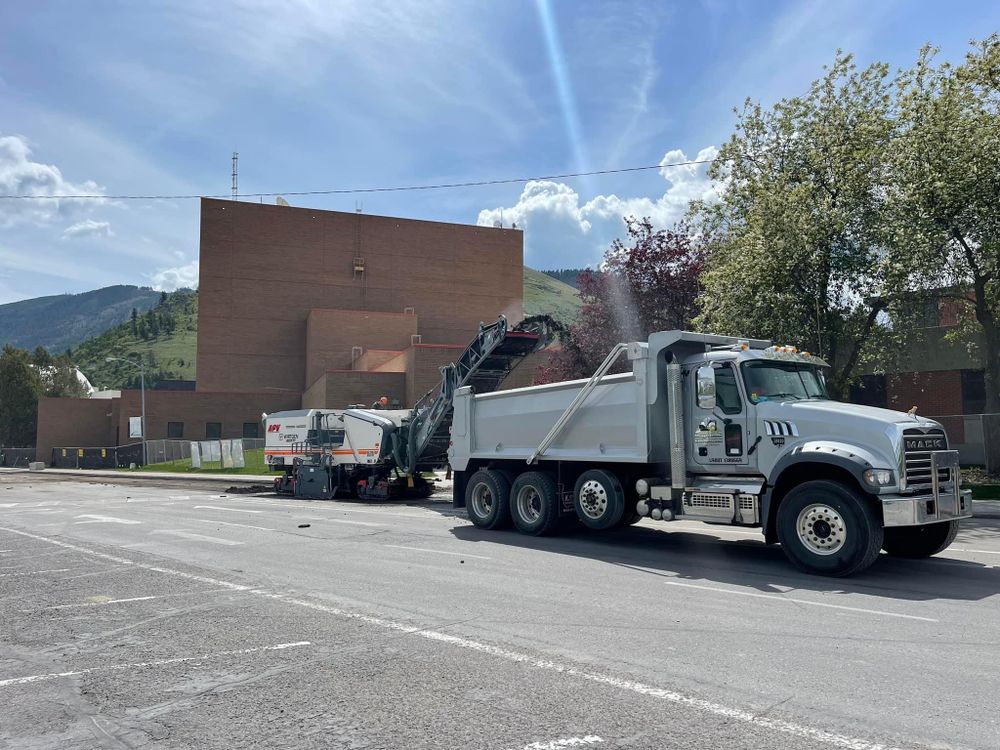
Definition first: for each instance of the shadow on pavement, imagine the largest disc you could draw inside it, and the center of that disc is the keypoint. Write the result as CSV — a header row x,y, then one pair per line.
x,y
682,555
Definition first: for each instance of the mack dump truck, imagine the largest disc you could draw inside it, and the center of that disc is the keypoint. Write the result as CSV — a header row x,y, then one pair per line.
x,y
714,429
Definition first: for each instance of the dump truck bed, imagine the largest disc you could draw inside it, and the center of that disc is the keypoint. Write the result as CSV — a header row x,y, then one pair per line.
x,y
611,425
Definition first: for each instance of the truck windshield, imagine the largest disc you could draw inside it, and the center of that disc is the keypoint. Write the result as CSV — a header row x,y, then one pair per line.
x,y
776,381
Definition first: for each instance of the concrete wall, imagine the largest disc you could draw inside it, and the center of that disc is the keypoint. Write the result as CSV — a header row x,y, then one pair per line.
x,y
76,422
332,334
264,268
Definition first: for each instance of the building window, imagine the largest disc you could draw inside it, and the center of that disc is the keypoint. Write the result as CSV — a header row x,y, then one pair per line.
x,y
973,392
175,430
213,430
251,429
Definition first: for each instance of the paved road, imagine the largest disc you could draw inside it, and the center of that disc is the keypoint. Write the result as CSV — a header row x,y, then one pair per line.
x,y
178,617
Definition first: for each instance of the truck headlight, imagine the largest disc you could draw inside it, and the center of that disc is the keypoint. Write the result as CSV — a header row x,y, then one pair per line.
x,y
878,477
642,487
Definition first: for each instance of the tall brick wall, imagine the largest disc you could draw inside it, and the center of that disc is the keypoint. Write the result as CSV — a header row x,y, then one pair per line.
x,y
932,393
332,334
338,389
264,268
422,363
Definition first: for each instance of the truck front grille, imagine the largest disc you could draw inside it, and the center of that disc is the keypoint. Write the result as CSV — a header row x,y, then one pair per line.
x,y
918,445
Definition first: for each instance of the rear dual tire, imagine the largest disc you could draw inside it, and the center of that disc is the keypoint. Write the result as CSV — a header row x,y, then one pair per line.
x,y
487,499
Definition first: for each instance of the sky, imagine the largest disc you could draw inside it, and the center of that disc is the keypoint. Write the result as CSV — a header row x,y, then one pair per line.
x,y
118,98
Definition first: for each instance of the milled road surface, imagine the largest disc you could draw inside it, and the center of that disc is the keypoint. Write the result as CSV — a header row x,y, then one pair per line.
x,y
176,616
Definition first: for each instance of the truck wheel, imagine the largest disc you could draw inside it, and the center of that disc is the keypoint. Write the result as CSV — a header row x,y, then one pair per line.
x,y
599,499
534,503
919,541
829,528
487,497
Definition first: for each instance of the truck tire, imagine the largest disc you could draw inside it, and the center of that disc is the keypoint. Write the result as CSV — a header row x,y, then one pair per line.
x,y
599,499
829,528
534,503
487,498
919,541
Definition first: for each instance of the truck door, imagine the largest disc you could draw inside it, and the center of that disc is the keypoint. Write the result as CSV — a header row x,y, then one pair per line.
x,y
720,436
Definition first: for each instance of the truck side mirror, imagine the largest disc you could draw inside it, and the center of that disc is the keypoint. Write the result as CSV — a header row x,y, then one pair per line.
x,y
706,387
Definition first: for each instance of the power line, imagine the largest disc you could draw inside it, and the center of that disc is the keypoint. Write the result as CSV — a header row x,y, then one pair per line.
x,y
348,191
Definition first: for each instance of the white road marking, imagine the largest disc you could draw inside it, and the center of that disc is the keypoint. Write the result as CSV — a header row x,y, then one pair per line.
x,y
157,663
8,505
180,497
34,572
788,599
227,523
125,561
436,551
341,520
590,739
196,537
231,510
106,519
106,602
671,696
974,551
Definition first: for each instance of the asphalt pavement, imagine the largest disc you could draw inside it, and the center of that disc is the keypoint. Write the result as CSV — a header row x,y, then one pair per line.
x,y
180,616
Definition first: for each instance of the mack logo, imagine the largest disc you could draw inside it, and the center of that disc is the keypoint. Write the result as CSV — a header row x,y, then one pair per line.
x,y
925,444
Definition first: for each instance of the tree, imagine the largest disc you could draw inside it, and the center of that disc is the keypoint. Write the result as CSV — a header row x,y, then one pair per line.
x,y
648,285
41,357
20,387
945,188
135,323
798,253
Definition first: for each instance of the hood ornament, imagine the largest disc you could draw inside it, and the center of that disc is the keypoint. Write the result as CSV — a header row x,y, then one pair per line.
x,y
912,411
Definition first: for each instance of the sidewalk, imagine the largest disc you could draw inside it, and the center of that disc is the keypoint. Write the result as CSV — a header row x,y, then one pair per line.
x,y
110,476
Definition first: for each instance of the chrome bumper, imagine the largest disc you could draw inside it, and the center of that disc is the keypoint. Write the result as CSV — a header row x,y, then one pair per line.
x,y
916,510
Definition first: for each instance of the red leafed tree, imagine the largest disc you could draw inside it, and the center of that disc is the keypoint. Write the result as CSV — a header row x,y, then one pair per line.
x,y
649,284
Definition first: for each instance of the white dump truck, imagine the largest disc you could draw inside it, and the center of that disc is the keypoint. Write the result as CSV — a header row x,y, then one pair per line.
x,y
714,429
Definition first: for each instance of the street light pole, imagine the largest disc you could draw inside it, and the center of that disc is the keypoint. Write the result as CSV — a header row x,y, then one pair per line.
x,y
142,396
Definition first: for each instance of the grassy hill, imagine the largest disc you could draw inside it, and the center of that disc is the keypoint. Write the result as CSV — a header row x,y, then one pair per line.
x,y
169,347
166,337
65,320
546,295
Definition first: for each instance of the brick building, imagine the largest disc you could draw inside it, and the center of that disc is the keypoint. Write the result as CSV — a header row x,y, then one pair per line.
x,y
306,308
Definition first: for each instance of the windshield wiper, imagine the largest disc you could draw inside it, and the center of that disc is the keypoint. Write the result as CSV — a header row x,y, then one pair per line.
x,y
785,395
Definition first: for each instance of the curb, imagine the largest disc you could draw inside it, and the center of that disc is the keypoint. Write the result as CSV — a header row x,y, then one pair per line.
x,y
154,476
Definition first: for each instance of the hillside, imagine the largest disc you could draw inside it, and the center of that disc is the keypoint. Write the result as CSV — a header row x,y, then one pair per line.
x,y
166,336
63,321
546,295
169,348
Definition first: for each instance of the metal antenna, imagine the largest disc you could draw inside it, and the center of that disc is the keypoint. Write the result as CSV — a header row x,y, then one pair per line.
x,y
236,176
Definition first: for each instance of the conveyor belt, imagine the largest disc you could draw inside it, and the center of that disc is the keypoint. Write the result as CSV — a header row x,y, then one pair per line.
x,y
484,365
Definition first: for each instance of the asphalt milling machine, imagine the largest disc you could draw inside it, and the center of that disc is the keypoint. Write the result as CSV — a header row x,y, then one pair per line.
x,y
378,453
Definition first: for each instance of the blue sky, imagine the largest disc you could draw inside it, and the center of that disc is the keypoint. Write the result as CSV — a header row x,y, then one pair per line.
x,y
151,98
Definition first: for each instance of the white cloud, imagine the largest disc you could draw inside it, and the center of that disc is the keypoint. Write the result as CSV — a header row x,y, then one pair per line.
x,y
89,228
561,231
20,175
178,277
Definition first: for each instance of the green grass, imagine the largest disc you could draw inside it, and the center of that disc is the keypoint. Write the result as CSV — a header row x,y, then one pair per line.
x,y
254,465
544,295
983,491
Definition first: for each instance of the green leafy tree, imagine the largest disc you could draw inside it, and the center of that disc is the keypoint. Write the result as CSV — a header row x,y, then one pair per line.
x,y
945,189
798,254
20,387
135,323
